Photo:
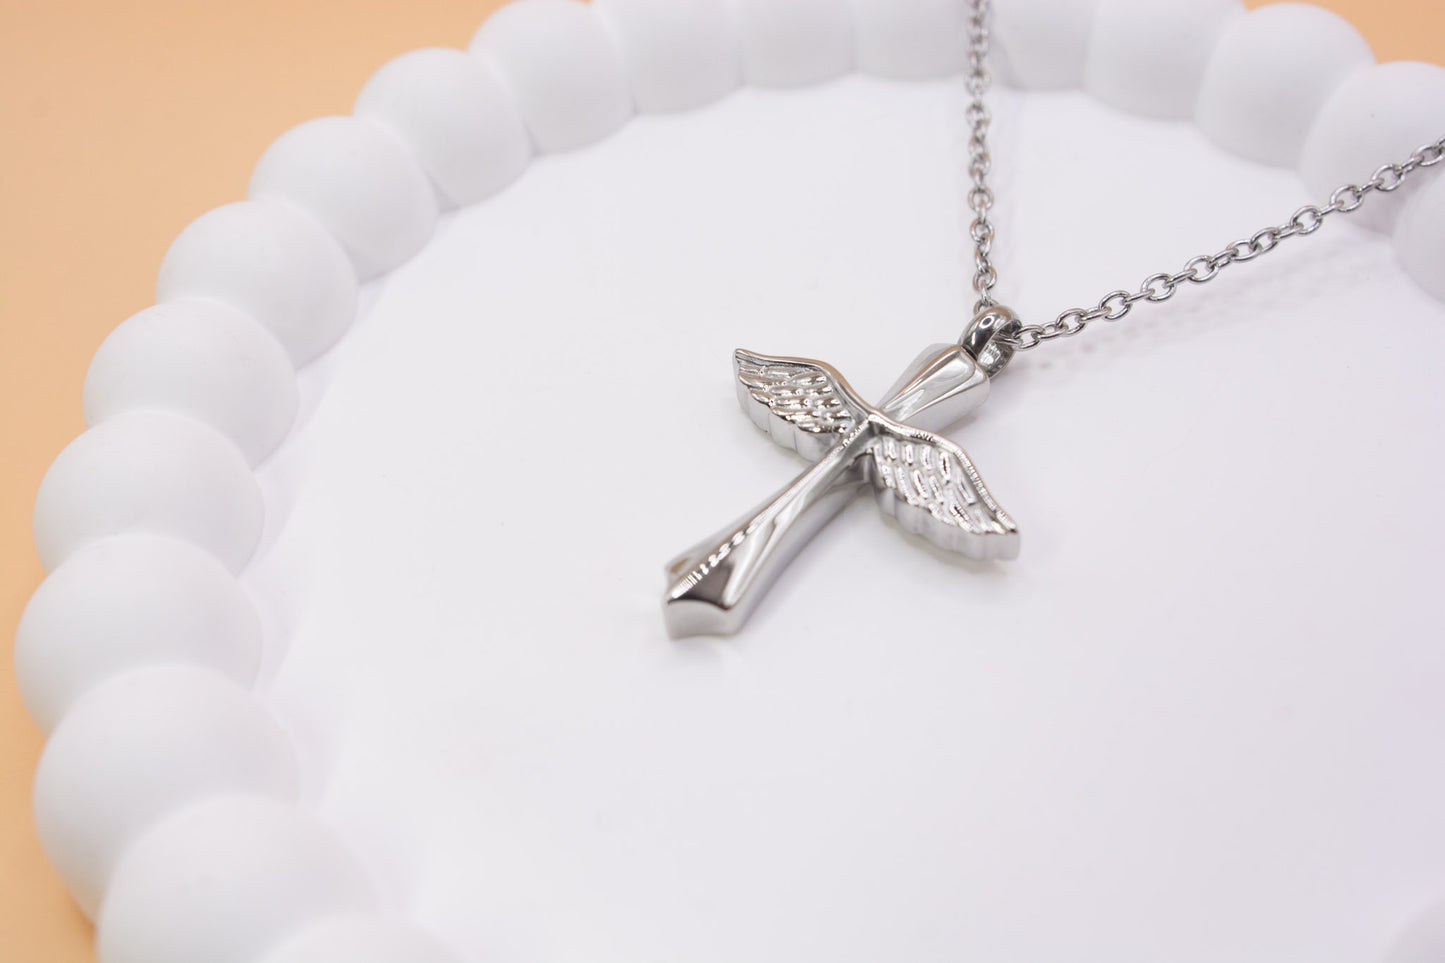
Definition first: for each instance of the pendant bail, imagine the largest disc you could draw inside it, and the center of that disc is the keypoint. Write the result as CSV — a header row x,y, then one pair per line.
x,y
987,338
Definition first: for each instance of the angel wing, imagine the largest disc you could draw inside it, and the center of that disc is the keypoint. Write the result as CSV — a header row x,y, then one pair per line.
x,y
804,405
929,484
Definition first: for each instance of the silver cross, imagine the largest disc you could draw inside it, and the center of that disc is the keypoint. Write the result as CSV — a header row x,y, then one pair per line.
x,y
925,481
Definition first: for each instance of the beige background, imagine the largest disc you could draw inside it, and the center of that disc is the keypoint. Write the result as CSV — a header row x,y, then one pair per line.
x,y
119,124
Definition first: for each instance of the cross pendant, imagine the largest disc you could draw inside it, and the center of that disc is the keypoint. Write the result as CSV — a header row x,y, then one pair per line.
x,y
925,481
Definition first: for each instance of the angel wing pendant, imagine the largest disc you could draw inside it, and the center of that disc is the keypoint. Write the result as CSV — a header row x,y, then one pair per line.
x,y
925,481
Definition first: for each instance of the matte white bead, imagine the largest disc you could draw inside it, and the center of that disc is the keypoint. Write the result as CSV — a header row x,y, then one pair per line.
x,y
140,745
202,359
1043,44
1420,236
269,261
359,182
222,881
1377,116
1271,72
457,117
563,67
123,603
1148,57
789,43
676,55
361,939
911,39
149,471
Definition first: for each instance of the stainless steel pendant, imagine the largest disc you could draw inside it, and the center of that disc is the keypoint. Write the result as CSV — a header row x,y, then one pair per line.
x,y
925,481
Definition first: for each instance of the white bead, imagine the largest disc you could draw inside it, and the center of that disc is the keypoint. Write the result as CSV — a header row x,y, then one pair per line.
x,y
1148,57
562,66
140,745
361,939
149,471
911,39
125,602
359,182
1420,236
271,262
1043,44
789,43
1377,116
1271,72
202,359
456,116
676,55
222,881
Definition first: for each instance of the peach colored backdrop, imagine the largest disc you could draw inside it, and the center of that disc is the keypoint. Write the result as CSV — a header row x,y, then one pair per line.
x,y
120,124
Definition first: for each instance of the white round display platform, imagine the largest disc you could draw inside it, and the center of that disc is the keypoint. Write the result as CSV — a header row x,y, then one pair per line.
x,y
1192,722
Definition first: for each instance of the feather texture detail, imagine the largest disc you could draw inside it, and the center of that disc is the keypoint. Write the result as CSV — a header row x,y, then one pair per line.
x,y
932,487
804,405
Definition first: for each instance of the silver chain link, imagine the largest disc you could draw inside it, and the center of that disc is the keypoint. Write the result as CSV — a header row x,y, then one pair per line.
x,y
1156,287
980,197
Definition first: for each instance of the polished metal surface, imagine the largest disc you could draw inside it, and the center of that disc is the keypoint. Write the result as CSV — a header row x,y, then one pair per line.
x,y
989,338
924,480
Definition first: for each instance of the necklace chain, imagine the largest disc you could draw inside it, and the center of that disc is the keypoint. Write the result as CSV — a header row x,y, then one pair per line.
x,y
980,162
1156,287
